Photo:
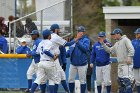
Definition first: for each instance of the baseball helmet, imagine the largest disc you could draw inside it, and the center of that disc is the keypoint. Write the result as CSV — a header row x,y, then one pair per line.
x,y
137,31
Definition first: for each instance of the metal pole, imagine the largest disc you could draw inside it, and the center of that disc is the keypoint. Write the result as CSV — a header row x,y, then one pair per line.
x,y
15,8
14,37
41,21
9,37
71,23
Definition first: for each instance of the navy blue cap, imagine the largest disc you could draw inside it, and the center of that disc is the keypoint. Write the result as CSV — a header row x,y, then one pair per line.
x,y
137,31
54,26
81,29
117,31
46,33
34,32
102,34
112,33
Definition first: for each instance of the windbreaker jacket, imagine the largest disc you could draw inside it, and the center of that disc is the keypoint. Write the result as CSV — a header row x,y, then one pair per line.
x,y
99,55
136,58
78,52
23,50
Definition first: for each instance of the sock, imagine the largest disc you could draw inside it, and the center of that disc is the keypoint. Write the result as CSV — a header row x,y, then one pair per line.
x,y
29,83
108,88
83,88
56,88
52,88
43,88
34,86
71,87
99,88
65,86
138,89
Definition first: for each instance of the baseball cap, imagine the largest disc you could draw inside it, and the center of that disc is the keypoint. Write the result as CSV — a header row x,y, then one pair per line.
x,y
112,33
102,34
81,29
54,26
23,40
137,31
46,33
117,31
34,32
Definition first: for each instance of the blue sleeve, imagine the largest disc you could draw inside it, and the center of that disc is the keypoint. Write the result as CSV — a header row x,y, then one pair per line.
x,y
5,47
84,46
93,55
49,54
19,50
70,43
62,54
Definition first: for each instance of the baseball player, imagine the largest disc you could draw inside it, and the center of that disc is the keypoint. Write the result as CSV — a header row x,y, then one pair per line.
x,y
36,58
125,52
3,43
57,42
23,48
136,59
78,55
102,59
46,66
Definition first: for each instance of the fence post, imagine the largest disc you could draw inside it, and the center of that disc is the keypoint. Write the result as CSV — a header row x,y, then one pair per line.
x,y
41,23
9,38
71,22
14,37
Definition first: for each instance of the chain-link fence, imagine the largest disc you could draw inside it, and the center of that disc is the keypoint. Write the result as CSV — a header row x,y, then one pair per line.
x,y
56,12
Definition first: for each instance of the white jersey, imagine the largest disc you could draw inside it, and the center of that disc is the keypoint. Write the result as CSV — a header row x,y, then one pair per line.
x,y
57,41
43,46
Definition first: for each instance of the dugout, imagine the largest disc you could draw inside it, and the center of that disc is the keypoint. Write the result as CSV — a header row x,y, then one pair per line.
x,y
128,19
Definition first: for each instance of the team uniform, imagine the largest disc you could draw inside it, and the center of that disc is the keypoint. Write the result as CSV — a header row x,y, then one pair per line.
x,y
102,60
59,41
33,66
46,66
3,44
136,60
124,50
78,57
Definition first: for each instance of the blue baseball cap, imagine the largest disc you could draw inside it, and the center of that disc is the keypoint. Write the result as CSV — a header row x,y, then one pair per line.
x,y
81,29
102,34
34,32
46,33
54,26
137,31
117,31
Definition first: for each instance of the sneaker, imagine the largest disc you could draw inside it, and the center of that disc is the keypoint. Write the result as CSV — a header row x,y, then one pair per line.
x,y
27,90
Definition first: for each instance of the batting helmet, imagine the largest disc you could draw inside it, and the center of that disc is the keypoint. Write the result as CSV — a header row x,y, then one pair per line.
x,y
137,31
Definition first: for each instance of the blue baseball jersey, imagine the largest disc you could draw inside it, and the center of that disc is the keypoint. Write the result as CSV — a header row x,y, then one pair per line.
x,y
99,55
136,58
35,56
3,44
23,50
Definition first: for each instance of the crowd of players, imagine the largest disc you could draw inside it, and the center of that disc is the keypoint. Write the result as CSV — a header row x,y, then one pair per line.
x,y
49,59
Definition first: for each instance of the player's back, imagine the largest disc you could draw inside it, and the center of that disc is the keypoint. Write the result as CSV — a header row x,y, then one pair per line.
x,y
45,45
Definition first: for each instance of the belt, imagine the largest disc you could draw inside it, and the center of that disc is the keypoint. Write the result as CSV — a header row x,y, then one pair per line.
x,y
44,60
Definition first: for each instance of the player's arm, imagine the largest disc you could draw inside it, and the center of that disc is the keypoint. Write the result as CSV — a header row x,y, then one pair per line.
x,y
84,46
48,53
5,47
19,49
92,57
